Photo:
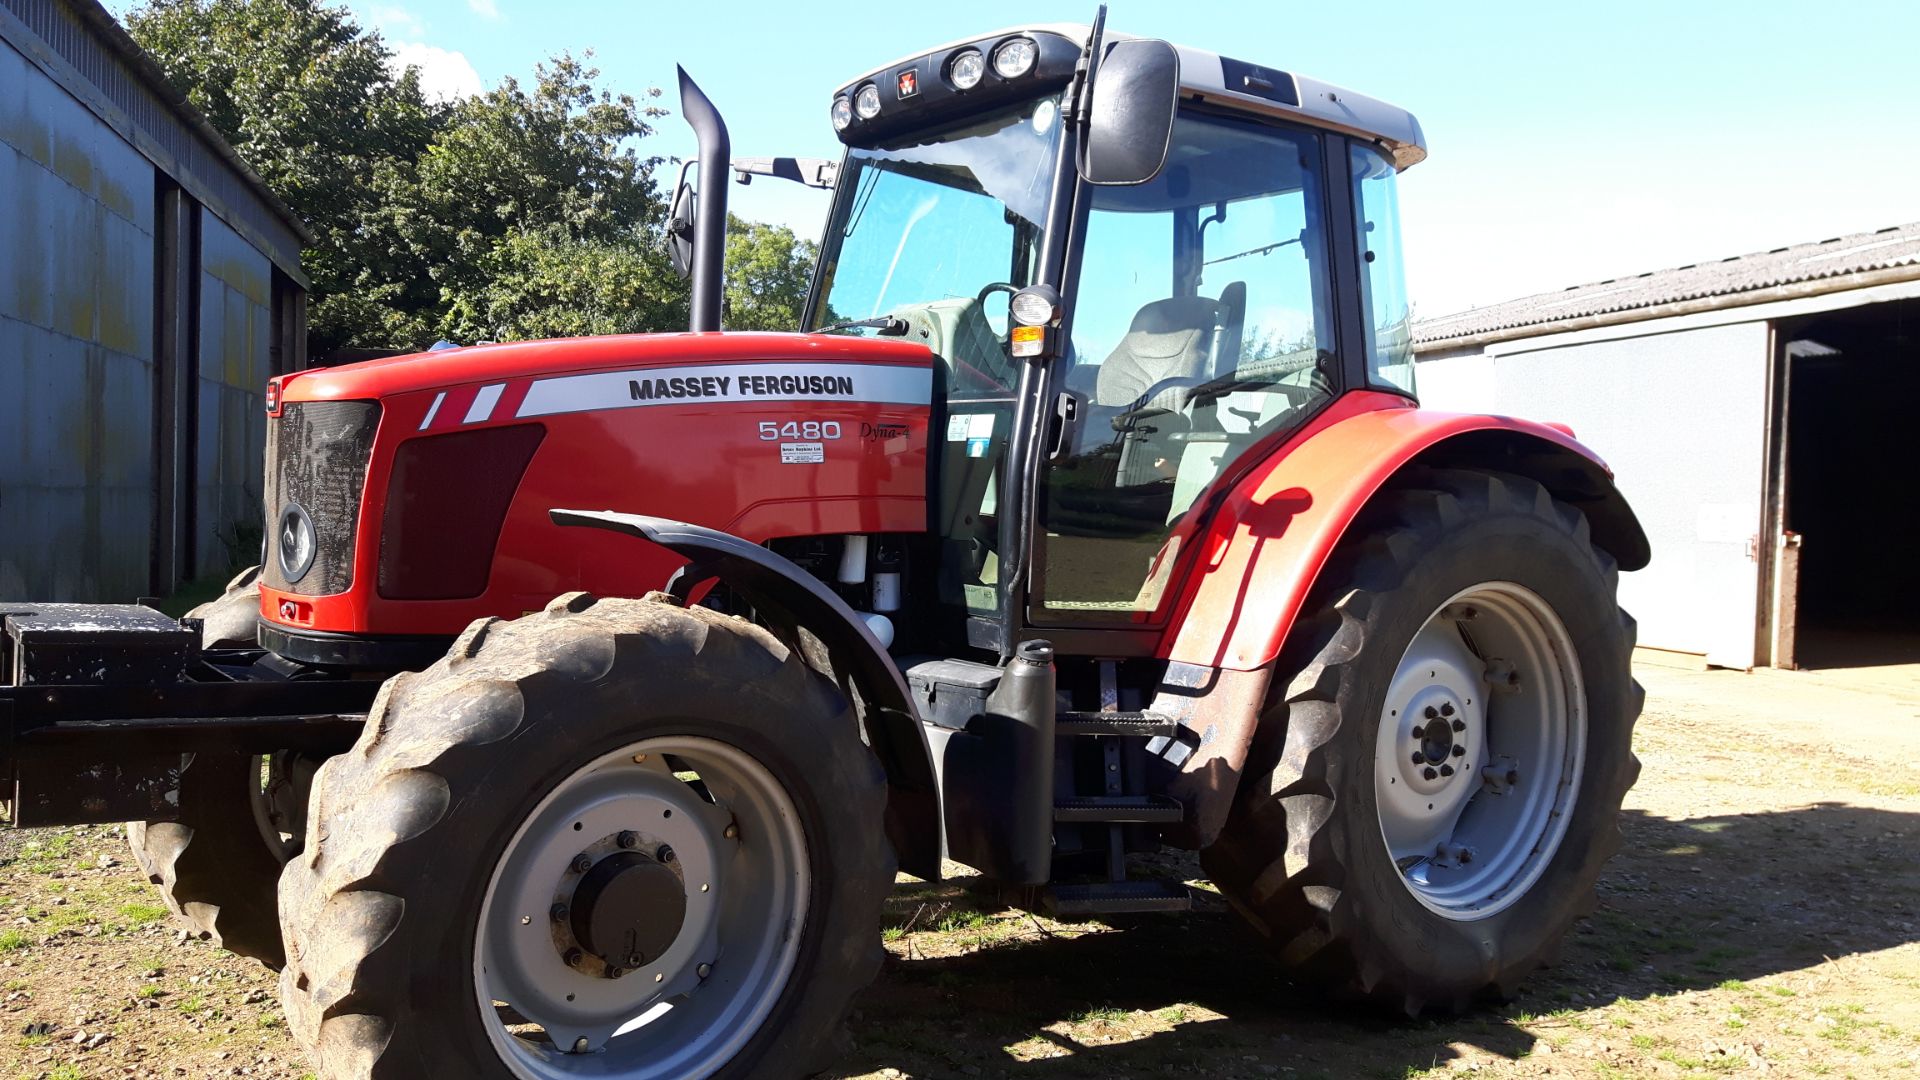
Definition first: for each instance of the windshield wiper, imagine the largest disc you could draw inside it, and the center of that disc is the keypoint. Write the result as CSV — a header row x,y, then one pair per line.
x,y
887,325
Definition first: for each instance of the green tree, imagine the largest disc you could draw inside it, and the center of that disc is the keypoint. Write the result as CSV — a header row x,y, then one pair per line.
x,y
309,100
768,271
527,211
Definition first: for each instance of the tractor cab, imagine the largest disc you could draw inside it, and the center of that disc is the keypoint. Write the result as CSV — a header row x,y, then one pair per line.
x,y
1131,286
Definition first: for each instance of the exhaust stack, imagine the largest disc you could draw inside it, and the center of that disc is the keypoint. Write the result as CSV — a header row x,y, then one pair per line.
x,y
710,206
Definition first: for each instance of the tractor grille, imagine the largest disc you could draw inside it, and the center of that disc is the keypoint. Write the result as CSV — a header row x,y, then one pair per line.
x,y
317,459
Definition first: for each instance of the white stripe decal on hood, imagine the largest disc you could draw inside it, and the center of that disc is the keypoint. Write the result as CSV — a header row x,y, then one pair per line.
x,y
729,383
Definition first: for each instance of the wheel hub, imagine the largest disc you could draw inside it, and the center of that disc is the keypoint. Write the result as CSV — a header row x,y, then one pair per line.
x,y
628,909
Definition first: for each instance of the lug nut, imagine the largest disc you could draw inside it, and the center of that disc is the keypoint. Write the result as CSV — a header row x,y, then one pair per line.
x,y
1432,713
1459,751
1446,770
1430,773
614,971
1418,757
1459,725
703,970
558,912
628,840
635,960
665,854
575,958
1418,733
1446,709
582,863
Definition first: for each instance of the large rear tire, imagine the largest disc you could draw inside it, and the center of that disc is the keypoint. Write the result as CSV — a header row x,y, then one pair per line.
x,y
1429,804
215,866
442,920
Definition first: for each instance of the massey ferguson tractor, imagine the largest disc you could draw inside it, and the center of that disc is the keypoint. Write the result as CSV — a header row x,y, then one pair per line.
x,y
590,693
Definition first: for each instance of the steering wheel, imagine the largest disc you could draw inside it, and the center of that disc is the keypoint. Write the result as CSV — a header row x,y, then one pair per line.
x,y
1143,406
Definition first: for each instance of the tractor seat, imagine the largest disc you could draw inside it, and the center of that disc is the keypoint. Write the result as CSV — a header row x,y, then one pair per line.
x,y
1168,339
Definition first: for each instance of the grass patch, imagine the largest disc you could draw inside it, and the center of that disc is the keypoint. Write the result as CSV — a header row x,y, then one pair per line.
x,y
142,914
13,940
149,991
1098,1013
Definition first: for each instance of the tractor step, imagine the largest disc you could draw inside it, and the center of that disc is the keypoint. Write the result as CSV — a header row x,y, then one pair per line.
x,y
1141,724
1118,898
1119,809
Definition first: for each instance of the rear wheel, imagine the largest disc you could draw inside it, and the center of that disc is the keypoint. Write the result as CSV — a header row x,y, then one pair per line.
x,y
1427,809
619,838
217,864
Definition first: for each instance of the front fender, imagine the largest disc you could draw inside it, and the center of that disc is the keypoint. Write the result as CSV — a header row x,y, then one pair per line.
x,y
785,594
1265,545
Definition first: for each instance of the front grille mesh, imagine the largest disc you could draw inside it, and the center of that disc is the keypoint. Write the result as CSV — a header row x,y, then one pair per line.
x,y
317,457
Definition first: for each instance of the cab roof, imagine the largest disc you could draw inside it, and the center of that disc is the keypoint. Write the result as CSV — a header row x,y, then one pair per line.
x,y
1236,84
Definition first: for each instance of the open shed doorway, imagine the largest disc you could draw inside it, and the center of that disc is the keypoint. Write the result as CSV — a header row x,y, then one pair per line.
x,y
1848,577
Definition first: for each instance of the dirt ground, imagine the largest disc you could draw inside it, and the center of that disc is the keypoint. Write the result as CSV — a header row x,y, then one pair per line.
x,y
1763,918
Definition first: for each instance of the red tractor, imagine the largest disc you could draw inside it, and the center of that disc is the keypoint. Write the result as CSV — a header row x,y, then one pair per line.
x,y
1092,512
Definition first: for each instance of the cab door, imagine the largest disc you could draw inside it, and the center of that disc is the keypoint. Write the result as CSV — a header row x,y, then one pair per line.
x,y
1202,324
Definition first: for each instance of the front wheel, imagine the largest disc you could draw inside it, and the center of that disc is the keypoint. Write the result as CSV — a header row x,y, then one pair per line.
x,y
1428,807
615,839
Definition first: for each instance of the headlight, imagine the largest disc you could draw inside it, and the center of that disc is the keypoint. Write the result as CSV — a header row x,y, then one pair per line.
x,y
1035,305
1014,57
842,113
297,543
867,102
966,70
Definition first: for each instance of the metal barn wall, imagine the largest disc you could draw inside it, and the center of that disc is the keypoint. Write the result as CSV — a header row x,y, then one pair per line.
x,y
236,296
1680,416
76,347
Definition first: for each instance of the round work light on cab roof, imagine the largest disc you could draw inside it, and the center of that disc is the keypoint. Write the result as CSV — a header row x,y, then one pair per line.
x,y
866,102
967,69
1015,57
842,113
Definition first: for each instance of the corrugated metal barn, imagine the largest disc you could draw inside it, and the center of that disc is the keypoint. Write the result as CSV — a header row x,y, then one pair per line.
x,y
1758,411
149,285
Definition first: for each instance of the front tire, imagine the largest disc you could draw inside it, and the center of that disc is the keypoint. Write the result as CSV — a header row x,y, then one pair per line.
x,y
445,918
1468,622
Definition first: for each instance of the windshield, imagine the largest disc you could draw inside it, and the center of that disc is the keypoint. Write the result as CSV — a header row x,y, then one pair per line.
x,y
938,230
925,228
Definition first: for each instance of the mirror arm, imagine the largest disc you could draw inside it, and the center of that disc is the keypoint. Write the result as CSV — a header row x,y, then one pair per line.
x,y
813,172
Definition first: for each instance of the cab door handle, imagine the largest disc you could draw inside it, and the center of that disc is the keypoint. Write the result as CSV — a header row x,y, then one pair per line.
x,y
1066,409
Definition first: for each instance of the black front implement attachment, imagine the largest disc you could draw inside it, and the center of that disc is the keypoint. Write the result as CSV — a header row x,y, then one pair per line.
x,y
102,706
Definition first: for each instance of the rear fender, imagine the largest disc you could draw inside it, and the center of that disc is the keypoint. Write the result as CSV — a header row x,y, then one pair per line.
x,y
788,596
1265,546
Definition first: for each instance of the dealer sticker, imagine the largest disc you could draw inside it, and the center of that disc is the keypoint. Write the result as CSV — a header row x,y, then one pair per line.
x,y
802,453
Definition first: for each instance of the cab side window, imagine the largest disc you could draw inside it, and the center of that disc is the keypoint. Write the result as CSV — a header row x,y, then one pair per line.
x,y
1383,287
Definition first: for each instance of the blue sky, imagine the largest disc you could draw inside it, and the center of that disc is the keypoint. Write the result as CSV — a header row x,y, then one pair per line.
x,y
1569,141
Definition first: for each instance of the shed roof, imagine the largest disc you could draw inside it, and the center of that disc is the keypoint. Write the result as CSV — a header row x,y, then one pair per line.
x,y
1841,262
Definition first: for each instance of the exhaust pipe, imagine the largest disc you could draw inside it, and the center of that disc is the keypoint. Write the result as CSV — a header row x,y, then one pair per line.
x,y
710,207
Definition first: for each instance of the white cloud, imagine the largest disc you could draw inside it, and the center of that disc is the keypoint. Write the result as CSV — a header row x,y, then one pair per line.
x,y
396,22
486,9
444,74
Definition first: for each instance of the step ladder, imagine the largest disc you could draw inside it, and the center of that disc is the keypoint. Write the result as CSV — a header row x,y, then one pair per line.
x,y
1117,808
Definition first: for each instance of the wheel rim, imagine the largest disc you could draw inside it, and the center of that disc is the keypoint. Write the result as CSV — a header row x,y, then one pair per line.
x,y
738,868
1480,749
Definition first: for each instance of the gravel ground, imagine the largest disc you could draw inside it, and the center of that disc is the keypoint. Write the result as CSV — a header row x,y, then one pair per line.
x,y
1764,918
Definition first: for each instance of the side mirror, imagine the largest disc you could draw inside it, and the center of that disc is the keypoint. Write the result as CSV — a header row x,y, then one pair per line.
x,y
1130,118
680,226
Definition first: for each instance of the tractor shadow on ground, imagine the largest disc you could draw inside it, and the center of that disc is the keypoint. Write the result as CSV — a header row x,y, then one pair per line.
x,y
1687,905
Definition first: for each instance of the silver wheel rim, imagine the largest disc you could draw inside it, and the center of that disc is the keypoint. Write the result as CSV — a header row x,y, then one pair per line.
x,y
742,865
1480,749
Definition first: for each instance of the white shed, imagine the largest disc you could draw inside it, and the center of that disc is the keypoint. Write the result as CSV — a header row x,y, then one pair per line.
x,y
1758,413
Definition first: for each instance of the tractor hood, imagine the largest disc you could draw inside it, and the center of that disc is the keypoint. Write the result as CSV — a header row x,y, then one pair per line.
x,y
408,496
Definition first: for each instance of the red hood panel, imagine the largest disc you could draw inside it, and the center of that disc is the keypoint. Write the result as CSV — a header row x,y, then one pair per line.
x,y
492,363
